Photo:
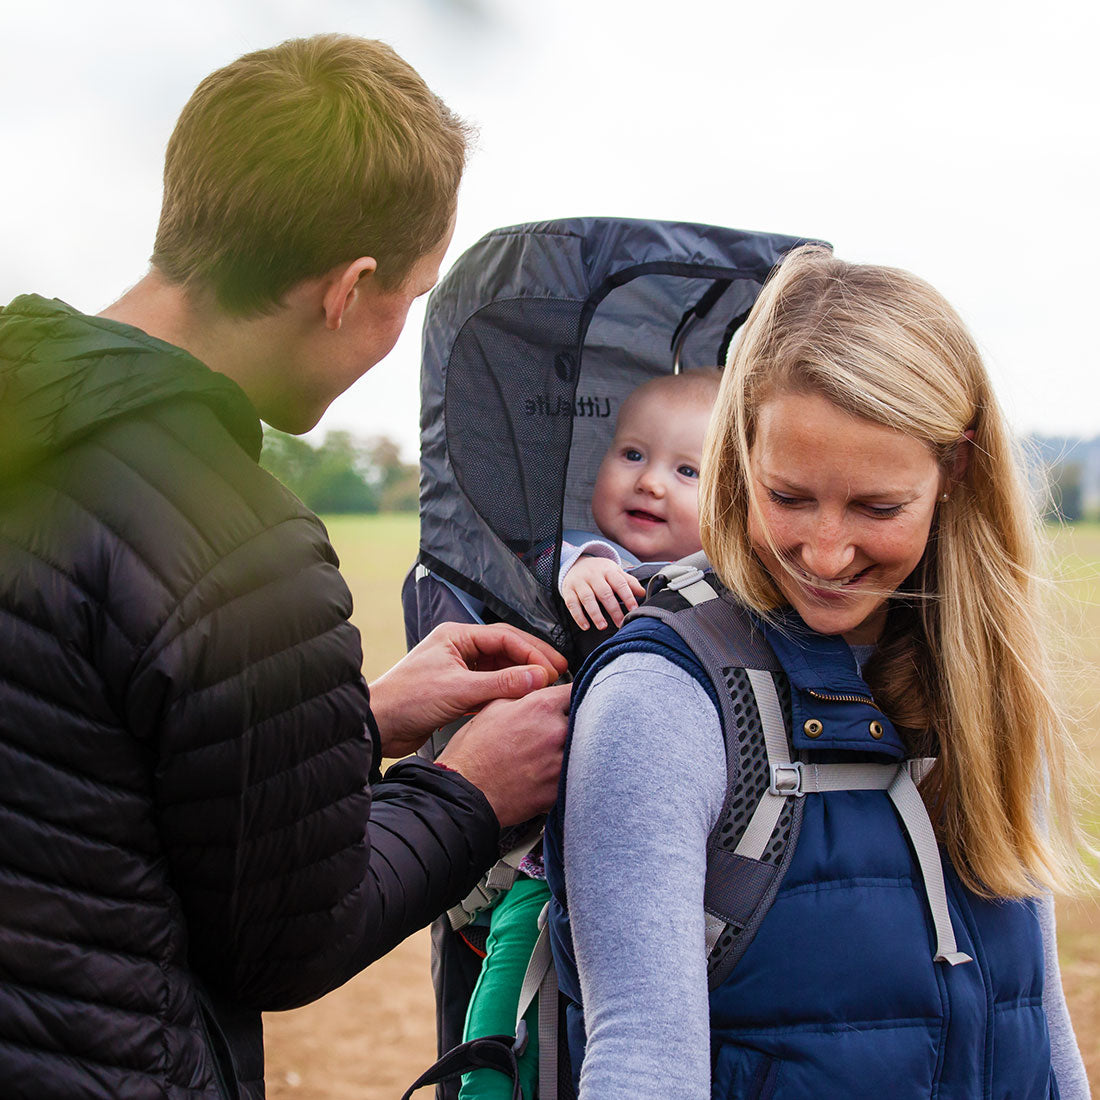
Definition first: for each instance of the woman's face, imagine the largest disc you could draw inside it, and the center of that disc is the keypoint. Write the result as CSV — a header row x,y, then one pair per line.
x,y
847,502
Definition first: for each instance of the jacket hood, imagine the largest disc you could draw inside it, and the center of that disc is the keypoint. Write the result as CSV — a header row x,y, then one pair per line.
x,y
64,374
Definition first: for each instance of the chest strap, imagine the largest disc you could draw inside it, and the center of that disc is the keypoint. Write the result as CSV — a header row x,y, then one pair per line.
x,y
793,779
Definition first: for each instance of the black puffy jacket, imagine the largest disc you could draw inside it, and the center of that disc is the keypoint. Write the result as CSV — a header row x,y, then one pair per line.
x,y
187,831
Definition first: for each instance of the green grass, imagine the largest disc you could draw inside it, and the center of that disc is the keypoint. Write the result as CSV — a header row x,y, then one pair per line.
x,y
375,554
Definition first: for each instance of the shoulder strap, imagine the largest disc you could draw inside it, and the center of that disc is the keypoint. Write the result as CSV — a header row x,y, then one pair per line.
x,y
752,842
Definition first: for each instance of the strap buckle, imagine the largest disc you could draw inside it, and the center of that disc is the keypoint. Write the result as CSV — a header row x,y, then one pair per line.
x,y
787,780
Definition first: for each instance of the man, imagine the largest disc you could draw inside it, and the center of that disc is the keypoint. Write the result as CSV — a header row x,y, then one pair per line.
x,y
187,832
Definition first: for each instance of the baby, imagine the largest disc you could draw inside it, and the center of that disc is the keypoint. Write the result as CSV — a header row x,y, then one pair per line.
x,y
645,503
646,496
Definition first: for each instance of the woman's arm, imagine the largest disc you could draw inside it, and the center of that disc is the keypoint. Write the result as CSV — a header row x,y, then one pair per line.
x,y
1064,1053
645,785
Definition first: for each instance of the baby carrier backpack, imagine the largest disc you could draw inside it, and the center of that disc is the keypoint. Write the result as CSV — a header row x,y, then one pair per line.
x,y
531,342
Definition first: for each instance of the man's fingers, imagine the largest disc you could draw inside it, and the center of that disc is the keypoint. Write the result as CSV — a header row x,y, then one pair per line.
x,y
498,645
558,696
509,683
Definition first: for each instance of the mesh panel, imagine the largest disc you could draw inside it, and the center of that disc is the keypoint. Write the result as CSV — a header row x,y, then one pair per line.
x,y
752,782
721,948
628,341
509,410
754,775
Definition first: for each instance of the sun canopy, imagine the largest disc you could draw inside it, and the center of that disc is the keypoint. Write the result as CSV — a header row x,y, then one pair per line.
x,y
531,342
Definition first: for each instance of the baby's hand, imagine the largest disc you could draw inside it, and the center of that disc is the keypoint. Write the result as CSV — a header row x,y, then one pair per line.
x,y
592,582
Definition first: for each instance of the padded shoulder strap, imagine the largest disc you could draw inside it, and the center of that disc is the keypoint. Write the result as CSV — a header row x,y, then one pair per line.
x,y
718,630
747,853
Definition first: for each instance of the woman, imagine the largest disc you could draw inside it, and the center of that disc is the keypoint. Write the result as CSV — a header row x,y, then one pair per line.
x,y
858,483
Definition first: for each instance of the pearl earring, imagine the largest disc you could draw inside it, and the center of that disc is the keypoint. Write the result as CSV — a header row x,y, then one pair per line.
x,y
944,498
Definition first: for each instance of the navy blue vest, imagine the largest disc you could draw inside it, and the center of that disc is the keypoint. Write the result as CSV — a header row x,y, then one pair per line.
x,y
837,994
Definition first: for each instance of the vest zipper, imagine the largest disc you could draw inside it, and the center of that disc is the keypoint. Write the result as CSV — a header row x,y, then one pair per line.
x,y
843,698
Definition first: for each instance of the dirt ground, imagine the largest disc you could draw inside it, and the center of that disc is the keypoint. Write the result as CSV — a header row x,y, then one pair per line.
x,y
368,1040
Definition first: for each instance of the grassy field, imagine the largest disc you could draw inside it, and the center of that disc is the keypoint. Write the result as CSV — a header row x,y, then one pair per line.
x,y
369,1039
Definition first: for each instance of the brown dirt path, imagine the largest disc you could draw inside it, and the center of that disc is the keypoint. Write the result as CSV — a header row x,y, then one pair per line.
x,y
368,1040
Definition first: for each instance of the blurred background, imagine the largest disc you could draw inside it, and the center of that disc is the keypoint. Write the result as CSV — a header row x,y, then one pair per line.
x,y
955,139
958,140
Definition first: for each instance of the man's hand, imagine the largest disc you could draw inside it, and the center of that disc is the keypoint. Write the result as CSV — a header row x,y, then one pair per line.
x,y
512,750
456,669
592,583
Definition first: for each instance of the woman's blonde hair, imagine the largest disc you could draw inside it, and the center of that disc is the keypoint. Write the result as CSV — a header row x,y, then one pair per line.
x,y
961,666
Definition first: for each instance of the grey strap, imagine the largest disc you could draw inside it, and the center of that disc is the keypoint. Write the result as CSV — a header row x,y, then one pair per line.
x,y
499,878
687,577
758,833
792,779
920,766
541,979
715,926
818,778
914,816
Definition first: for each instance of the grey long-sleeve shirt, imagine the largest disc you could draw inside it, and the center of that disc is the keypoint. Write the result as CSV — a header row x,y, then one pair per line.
x,y
645,786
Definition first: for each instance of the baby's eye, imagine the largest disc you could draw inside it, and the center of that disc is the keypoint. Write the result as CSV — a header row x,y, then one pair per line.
x,y
687,471
632,454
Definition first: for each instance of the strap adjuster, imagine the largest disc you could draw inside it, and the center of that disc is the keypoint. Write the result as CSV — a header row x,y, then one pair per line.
x,y
689,576
787,780
520,1045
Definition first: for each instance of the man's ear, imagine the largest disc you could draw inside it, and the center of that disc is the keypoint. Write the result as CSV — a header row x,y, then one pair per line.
x,y
343,284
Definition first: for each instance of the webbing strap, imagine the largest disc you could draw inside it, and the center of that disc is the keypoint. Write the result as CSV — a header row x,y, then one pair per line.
x,y
761,826
687,577
714,928
541,979
914,816
794,779
499,878
548,1034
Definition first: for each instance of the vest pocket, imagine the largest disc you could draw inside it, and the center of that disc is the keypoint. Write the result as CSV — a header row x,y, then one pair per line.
x,y
744,1074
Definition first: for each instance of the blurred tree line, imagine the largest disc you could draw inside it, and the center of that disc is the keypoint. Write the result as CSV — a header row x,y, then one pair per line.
x,y
343,473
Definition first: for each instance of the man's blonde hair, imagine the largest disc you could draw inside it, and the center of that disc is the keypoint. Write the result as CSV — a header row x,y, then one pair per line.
x,y
961,664
292,160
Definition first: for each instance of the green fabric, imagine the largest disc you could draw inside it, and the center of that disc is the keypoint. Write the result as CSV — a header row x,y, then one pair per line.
x,y
493,1004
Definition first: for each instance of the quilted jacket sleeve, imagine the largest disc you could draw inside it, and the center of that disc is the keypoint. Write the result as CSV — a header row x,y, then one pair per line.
x,y
293,871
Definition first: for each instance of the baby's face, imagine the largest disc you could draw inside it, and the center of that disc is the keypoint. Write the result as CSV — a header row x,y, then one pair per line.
x,y
647,491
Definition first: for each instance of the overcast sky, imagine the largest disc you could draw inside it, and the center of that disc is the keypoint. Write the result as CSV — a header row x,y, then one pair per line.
x,y
956,139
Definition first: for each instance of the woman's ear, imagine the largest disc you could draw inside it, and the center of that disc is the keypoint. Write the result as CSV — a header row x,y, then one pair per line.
x,y
961,462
